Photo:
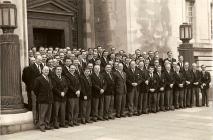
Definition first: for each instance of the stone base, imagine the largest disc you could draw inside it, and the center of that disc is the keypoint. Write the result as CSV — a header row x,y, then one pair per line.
x,y
11,123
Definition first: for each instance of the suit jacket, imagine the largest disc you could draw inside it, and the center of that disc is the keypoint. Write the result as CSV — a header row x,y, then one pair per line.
x,y
103,62
59,85
161,80
34,73
26,78
98,83
188,76
196,78
133,78
143,76
120,83
181,67
110,83
205,78
179,79
79,72
73,85
169,78
170,60
153,82
43,90
86,87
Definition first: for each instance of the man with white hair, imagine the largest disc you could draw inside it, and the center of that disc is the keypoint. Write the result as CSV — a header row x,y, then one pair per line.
x,y
43,91
98,88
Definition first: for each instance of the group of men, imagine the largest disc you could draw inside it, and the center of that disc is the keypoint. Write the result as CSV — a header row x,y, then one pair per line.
x,y
67,86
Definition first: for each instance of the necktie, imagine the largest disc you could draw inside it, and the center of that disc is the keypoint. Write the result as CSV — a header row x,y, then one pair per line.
x,y
39,68
110,76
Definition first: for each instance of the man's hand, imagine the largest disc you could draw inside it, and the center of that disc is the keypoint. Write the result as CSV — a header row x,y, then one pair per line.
x,y
62,94
101,91
181,85
151,89
187,82
146,82
162,89
196,83
171,85
78,93
134,84
85,97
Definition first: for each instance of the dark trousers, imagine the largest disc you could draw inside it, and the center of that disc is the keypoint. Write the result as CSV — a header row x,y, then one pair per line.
x,y
108,106
59,113
188,97
145,102
120,103
133,100
140,102
152,101
85,110
195,93
169,99
179,96
98,107
45,111
205,97
160,100
73,104
35,108
29,98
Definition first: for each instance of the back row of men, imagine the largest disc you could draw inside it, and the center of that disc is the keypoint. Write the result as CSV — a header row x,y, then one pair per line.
x,y
61,90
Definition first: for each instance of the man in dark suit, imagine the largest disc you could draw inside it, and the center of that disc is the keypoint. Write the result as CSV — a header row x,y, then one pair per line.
x,y
73,95
43,91
188,85
78,70
143,94
169,78
35,71
66,66
59,93
161,89
133,80
98,88
178,87
104,59
152,89
109,92
170,58
120,91
86,96
181,63
204,82
195,85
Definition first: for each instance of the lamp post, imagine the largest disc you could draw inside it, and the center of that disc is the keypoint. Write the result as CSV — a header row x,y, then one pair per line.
x,y
186,49
10,69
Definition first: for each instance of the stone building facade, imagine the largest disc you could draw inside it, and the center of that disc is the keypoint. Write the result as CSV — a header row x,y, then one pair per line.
x,y
124,24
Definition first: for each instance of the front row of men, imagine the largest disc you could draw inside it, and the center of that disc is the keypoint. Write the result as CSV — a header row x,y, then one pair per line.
x,y
63,97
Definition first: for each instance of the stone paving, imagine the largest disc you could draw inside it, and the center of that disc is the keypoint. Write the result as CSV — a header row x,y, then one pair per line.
x,y
185,124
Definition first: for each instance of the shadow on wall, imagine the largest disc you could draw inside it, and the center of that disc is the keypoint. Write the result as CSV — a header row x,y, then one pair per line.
x,y
153,19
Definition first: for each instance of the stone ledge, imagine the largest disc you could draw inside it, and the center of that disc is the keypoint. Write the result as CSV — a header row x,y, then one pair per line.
x,y
11,123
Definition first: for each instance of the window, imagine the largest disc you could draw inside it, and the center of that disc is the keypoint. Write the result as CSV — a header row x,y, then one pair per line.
x,y
189,12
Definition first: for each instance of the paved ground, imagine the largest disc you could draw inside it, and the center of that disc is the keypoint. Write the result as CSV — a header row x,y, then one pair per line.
x,y
186,124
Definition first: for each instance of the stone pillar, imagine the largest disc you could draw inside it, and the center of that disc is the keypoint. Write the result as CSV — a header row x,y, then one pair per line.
x,y
11,95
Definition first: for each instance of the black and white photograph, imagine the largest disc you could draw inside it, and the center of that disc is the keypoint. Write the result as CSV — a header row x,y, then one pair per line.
x,y
106,69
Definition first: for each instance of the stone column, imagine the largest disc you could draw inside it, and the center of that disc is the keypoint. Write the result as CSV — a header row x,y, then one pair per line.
x,y
11,96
